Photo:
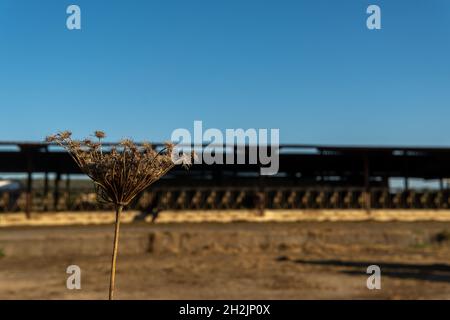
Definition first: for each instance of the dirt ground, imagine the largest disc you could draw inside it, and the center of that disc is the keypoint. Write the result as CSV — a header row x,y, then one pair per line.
x,y
314,260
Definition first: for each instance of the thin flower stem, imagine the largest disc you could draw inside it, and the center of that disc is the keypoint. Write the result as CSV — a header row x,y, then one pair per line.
x,y
112,282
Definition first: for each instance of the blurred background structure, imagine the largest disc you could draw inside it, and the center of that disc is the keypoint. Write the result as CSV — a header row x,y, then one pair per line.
x,y
39,178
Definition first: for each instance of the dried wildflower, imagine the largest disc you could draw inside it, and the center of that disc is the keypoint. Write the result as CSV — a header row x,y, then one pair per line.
x,y
66,134
183,159
119,175
100,134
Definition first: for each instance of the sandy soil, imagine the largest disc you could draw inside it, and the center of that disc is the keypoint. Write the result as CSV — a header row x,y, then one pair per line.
x,y
236,261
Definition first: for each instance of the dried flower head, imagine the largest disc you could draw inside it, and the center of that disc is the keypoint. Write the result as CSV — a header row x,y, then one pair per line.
x,y
118,175
100,134
121,174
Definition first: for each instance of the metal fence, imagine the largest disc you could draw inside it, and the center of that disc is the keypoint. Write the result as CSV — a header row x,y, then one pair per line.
x,y
228,198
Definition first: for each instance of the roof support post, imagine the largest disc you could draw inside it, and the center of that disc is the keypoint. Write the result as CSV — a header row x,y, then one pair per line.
x,y
367,198
29,194
56,192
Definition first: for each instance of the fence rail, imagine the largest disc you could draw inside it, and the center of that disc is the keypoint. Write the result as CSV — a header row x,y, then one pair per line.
x,y
193,198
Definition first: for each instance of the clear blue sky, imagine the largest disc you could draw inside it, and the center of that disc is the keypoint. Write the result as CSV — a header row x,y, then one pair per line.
x,y
310,68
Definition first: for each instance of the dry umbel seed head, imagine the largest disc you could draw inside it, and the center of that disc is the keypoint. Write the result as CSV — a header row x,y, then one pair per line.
x,y
122,173
99,134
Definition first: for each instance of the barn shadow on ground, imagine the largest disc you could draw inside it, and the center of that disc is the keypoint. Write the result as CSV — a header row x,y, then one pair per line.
x,y
427,272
